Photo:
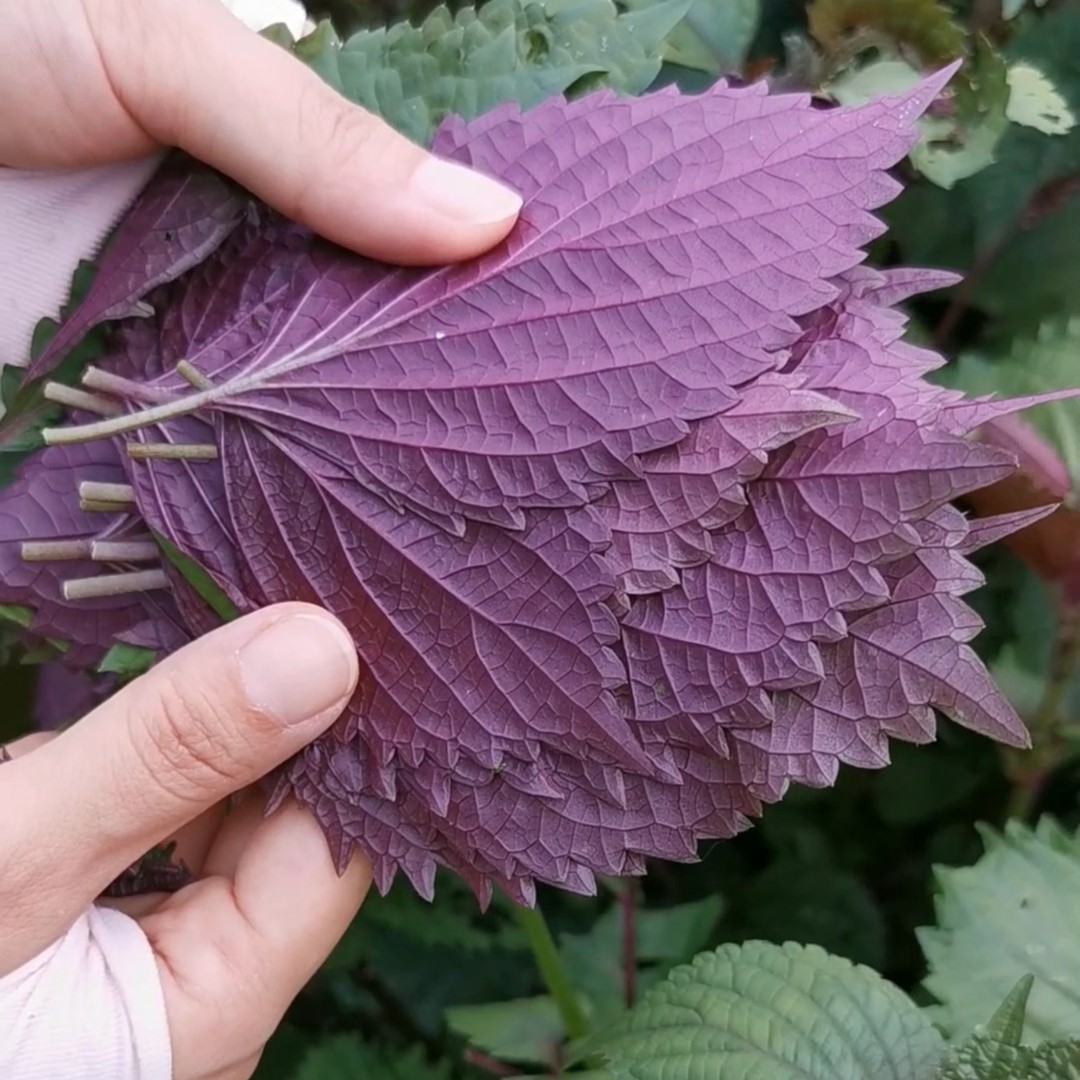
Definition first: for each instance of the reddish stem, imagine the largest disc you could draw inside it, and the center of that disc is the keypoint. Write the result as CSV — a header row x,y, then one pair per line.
x,y
628,905
489,1064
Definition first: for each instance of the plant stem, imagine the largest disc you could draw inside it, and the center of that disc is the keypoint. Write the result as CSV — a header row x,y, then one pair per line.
x,y
74,398
628,907
1028,771
96,491
489,1064
94,588
56,550
191,374
552,971
124,551
106,382
172,451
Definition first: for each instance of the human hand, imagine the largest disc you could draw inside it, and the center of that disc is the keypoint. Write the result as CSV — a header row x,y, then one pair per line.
x,y
91,82
155,761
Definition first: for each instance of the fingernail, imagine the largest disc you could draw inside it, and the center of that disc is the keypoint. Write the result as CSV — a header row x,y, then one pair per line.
x,y
298,668
463,194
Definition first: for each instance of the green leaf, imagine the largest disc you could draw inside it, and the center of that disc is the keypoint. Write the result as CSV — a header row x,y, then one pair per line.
x,y
995,1053
1027,159
1013,913
1034,102
345,1057
528,1031
714,36
283,1053
888,75
199,580
1031,364
985,1059
17,614
662,937
782,1012
951,150
1007,1024
508,50
23,408
127,661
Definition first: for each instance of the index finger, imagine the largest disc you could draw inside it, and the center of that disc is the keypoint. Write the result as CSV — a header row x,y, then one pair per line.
x,y
193,76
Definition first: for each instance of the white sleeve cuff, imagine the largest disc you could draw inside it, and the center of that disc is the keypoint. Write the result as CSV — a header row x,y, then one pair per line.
x,y
49,220
90,1007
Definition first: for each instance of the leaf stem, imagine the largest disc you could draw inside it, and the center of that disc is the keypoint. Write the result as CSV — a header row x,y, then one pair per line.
x,y
489,1064
96,491
56,550
107,382
102,506
628,908
125,551
94,588
74,398
1029,770
192,375
172,451
117,425
552,971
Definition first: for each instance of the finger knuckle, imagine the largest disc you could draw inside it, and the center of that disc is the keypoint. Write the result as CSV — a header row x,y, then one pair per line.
x,y
189,743
342,139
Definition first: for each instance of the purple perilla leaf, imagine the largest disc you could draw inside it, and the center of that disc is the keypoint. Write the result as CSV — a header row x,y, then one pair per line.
x,y
42,505
634,521
181,217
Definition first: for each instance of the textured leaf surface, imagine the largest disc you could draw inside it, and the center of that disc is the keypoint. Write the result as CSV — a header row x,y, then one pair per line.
x,y
176,223
757,1011
508,50
995,1051
714,36
982,1059
949,149
1012,913
635,520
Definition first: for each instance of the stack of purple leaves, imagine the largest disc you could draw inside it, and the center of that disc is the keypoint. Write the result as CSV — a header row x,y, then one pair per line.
x,y
635,520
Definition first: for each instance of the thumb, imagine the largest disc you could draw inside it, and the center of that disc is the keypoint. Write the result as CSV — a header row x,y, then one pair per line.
x,y
197,78
206,722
